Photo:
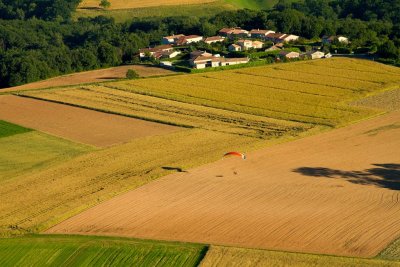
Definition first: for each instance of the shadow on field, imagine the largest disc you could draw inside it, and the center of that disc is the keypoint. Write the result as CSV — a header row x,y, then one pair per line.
x,y
177,169
383,175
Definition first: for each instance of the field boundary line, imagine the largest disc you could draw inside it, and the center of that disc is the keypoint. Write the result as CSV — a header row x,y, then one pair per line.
x,y
106,111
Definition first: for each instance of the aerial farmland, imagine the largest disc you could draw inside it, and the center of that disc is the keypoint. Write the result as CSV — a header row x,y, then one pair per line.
x,y
199,133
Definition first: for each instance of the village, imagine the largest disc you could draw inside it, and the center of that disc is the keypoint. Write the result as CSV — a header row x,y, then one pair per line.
x,y
233,46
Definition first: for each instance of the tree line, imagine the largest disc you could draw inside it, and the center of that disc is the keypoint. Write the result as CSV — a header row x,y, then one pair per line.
x,y
38,38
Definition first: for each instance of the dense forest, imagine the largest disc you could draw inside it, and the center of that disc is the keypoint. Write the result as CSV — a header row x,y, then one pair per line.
x,y
38,38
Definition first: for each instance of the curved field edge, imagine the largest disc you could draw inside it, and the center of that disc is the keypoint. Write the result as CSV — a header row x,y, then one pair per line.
x,y
231,256
60,250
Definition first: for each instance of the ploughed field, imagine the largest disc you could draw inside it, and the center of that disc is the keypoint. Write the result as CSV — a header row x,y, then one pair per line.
x,y
81,125
334,193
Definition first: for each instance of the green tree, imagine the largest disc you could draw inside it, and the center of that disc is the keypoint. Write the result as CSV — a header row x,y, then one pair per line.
x,y
105,3
131,74
389,50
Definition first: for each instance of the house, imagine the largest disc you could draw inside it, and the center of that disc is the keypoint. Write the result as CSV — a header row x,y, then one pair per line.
x,y
257,44
281,37
273,48
245,44
289,54
171,39
189,39
144,52
235,47
200,53
170,54
259,34
181,39
315,54
331,39
234,33
276,47
214,39
202,62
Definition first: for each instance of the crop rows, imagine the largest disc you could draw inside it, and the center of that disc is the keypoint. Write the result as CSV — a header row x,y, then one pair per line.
x,y
153,108
96,251
258,100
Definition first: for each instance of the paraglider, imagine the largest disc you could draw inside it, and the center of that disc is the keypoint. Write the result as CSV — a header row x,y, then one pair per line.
x,y
236,154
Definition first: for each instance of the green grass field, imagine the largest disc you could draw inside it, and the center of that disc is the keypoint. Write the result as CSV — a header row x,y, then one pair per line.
x,y
9,129
45,250
24,150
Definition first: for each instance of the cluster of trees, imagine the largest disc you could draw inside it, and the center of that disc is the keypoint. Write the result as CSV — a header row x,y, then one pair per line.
x,y
39,40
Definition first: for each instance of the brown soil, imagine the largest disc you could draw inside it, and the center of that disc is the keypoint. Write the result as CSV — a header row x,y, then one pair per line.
x,y
334,193
92,76
77,124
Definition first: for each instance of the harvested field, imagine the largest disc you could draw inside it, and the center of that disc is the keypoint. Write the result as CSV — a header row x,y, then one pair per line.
x,y
334,193
35,201
47,250
124,4
92,76
172,112
388,100
77,124
241,257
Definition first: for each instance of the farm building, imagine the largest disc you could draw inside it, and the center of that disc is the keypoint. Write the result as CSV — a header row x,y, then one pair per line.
x,y
260,34
214,39
202,62
315,54
289,54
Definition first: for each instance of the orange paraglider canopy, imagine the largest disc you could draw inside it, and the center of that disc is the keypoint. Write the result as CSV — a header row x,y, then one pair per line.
x,y
237,154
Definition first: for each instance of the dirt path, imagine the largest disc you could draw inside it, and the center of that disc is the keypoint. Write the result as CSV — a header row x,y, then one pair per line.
x,y
91,77
334,193
77,124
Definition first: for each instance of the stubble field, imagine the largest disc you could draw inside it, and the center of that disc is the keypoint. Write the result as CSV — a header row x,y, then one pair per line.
x,y
334,193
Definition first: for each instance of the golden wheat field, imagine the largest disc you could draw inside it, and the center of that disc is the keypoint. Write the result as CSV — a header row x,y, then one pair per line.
x,y
126,4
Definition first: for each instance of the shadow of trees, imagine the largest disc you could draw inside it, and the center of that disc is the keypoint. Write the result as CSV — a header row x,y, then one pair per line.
x,y
382,175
